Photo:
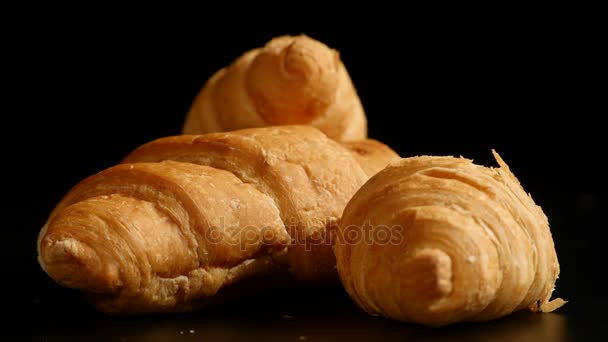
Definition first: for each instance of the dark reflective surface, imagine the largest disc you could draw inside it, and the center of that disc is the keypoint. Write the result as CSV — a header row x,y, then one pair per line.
x,y
285,315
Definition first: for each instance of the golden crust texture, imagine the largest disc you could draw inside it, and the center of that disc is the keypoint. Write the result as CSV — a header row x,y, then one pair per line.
x,y
437,240
291,80
183,217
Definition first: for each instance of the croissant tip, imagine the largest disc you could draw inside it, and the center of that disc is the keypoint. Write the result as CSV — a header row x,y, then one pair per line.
x,y
76,265
430,274
305,57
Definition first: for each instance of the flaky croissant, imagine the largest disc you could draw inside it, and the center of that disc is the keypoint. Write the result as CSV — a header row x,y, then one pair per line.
x,y
186,216
291,80
437,240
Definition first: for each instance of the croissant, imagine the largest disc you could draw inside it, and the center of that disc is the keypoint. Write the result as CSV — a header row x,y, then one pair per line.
x,y
438,240
186,216
291,80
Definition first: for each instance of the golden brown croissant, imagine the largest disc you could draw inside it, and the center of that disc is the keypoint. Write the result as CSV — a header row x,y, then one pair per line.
x,y
437,240
291,80
186,216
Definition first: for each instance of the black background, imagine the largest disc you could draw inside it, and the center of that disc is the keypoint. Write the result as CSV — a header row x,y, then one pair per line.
x,y
89,90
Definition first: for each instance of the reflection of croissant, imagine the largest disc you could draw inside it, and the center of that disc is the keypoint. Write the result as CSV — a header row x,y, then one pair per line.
x,y
188,215
291,80
450,241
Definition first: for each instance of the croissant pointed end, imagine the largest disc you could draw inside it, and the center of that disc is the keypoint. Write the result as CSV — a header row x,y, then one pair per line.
x,y
429,275
307,58
74,264
293,80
